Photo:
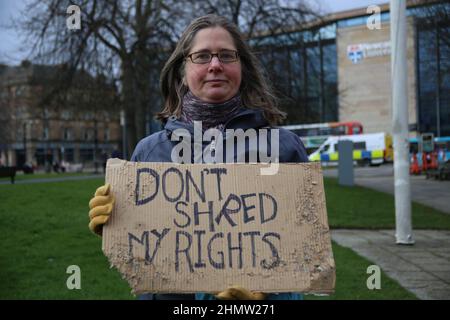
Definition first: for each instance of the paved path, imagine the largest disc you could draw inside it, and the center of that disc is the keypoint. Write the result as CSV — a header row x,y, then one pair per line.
x,y
56,179
422,268
433,193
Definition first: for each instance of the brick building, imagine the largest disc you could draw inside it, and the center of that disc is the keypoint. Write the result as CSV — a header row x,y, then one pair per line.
x,y
34,133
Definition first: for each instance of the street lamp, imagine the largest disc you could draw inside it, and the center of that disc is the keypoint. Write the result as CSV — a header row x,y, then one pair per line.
x,y
95,144
399,78
25,141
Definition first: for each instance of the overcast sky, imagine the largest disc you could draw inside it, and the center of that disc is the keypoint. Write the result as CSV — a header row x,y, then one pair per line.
x,y
10,41
342,5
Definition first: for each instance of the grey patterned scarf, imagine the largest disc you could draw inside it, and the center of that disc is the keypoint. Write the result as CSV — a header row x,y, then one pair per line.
x,y
212,115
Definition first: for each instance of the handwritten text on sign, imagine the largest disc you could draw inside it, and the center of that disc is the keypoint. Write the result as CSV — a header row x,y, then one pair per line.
x,y
179,188
203,227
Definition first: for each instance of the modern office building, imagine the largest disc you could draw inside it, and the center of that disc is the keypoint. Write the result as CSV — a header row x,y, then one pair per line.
x,y
339,69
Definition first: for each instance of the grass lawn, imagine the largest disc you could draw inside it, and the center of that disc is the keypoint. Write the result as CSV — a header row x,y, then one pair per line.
x,y
359,207
21,177
351,278
44,230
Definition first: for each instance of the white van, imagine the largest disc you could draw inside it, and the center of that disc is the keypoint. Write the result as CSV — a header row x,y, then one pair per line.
x,y
370,148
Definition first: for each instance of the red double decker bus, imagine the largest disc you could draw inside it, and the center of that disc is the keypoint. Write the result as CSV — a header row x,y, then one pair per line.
x,y
326,129
314,134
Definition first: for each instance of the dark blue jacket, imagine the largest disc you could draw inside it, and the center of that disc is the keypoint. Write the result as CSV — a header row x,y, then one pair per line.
x,y
158,148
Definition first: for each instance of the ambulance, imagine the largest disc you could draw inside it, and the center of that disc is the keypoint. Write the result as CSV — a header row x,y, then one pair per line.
x,y
368,149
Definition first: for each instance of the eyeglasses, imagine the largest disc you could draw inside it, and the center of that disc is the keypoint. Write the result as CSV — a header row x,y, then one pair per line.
x,y
224,56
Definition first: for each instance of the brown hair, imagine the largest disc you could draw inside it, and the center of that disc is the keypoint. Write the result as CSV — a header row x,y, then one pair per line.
x,y
255,91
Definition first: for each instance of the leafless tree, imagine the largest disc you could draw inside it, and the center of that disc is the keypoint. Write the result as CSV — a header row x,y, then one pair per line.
x,y
261,17
6,119
434,15
271,26
118,40
128,41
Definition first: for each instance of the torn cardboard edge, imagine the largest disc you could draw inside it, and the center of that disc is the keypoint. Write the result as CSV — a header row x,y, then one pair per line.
x,y
185,228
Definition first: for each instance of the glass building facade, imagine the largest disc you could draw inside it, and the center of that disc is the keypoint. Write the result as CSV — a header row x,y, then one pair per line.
x,y
302,67
433,66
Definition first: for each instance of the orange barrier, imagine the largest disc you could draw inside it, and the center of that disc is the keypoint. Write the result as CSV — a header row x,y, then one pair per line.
x,y
414,167
434,164
424,161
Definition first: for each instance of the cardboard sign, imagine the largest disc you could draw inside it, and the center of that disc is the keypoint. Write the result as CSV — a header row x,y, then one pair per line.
x,y
204,227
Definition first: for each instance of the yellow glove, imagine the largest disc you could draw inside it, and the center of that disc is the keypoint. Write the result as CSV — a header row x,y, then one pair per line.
x,y
239,293
100,206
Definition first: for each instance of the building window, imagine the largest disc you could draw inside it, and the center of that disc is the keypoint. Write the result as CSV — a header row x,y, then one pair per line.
x,y
66,115
19,91
21,111
433,59
89,115
67,135
106,135
21,132
45,133
40,156
68,155
89,134
305,78
86,155
46,113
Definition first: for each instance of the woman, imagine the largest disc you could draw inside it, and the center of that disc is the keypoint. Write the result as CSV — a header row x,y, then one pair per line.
x,y
212,77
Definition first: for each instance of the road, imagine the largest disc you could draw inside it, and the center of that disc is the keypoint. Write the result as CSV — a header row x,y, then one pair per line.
x,y
433,193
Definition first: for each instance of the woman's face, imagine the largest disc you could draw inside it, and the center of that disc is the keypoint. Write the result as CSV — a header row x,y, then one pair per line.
x,y
213,82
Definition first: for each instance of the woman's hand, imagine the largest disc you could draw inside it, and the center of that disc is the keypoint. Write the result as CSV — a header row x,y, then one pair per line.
x,y
239,293
100,206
